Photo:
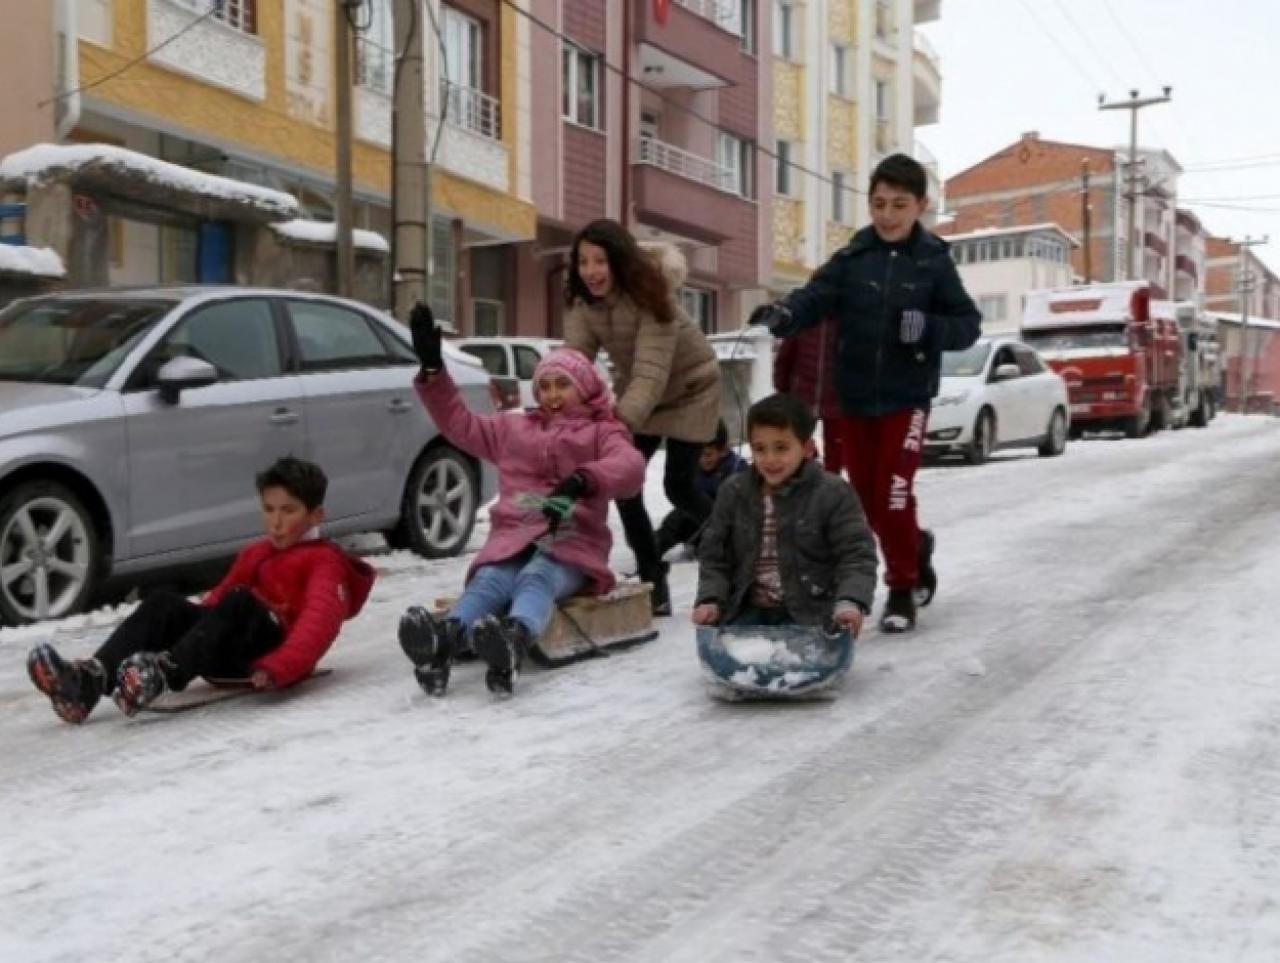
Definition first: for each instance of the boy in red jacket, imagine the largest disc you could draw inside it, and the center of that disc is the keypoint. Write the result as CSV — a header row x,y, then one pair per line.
x,y
270,619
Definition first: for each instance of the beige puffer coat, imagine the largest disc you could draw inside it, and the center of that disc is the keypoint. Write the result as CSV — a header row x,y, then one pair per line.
x,y
666,376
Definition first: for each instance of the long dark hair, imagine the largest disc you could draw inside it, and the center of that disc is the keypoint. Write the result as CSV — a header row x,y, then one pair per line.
x,y
634,273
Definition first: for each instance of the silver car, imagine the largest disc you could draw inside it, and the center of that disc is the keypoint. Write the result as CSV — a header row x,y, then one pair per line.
x,y
132,423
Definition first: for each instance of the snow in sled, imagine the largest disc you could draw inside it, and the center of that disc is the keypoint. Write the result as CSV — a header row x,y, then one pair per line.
x,y
773,661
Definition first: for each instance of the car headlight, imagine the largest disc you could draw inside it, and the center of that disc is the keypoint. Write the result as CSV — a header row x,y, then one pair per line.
x,y
952,399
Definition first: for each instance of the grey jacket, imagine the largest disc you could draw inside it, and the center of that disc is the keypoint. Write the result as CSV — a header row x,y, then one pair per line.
x,y
825,550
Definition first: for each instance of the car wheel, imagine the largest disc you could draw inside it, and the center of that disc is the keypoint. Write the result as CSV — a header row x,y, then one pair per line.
x,y
50,554
439,506
1055,440
984,438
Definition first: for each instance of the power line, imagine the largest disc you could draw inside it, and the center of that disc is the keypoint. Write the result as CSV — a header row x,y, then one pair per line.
x,y
214,9
1089,43
1066,54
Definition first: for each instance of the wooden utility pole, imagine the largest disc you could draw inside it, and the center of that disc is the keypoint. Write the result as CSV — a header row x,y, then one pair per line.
x,y
1133,105
411,186
343,135
1085,218
1245,287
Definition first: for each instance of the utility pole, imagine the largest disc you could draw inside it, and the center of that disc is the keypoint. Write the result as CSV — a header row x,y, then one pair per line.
x,y
1133,105
1245,287
1084,215
343,134
410,181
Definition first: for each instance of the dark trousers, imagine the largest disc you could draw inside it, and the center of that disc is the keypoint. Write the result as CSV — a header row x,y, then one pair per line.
x,y
755,615
678,483
676,529
221,641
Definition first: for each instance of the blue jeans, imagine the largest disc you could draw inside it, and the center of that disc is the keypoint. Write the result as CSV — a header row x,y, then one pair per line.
x,y
530,587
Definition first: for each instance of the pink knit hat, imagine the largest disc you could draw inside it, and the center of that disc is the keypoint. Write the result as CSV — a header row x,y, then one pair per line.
x,y
575,366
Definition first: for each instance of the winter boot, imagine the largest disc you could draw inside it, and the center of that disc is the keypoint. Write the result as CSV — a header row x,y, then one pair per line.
x,y
660,594
502,644
73,688
926,577
431,645
899,611
142,680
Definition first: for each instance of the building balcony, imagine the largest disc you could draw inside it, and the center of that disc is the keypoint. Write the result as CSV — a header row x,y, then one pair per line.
x,y
1156,243
926,11
1186,265
926,82
700,46
685,164
682,192
222,50
725,14
932,172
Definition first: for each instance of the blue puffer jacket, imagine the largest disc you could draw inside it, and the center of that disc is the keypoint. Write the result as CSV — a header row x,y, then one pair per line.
x,y
866,286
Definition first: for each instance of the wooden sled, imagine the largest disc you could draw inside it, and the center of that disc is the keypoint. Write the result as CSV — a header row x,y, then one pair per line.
x,y
591,625
777,662
208,692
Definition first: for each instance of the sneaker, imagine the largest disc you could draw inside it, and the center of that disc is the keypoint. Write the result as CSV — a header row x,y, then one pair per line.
x,y
899,611
926,578
140,682
501,643
430,644
73,688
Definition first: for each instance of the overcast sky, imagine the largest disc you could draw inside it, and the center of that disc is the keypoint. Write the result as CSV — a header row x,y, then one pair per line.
x,y
1010,66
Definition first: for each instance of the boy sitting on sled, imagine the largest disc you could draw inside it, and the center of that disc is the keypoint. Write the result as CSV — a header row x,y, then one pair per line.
x,y
270,619
787,542
559,466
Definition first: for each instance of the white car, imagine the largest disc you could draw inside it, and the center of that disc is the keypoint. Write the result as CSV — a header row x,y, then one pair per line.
x,y
517,357
997,394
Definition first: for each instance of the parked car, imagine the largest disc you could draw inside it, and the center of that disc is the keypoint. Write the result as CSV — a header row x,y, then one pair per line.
x,y
517,357
132,423
997,394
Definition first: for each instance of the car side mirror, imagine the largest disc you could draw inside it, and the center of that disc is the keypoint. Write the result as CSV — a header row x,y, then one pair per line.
x,y
179,374
1005,372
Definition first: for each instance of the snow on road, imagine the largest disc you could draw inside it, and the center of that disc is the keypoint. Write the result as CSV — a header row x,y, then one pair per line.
x,y
1075,758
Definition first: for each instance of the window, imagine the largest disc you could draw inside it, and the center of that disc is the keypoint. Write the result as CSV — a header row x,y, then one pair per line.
x,y
782,183
840,70
332,337
236,337
492,356
487,316
463,47
784,41
242,15
526,361
734,160
581,86
745,24
882,101
839,198
375,60
440,283
1028,361
700,305
993,307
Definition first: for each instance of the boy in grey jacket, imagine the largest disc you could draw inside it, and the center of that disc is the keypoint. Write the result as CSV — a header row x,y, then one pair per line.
x,y
787,542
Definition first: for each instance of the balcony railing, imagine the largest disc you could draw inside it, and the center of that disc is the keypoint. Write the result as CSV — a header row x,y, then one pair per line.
x,y
674,160
471,109
725,14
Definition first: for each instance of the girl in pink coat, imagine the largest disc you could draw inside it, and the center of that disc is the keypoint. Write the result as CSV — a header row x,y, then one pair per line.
x,y
559,467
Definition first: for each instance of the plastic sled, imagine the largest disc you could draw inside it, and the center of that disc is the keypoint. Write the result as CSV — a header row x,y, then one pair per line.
x,y
780,662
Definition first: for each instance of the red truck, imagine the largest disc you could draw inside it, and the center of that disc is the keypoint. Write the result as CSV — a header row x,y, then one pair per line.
x,y
1122,366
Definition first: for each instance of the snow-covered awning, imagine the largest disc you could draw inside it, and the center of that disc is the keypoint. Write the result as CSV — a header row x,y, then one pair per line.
x,y
128,175
36,261
326,232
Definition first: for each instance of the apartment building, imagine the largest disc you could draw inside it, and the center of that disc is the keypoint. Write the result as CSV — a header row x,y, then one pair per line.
x,y
852,80
1237,279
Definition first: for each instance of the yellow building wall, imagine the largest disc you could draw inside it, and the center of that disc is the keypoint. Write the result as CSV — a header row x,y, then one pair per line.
x,y
842,137
788,100
842,21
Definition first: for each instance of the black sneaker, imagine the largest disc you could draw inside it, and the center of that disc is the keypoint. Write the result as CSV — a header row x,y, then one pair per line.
x,y
73,688
140,681
899,611
502,644
926,577
430,644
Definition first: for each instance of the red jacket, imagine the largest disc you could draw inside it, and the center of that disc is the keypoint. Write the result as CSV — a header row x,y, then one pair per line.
x,y
806,368
312,586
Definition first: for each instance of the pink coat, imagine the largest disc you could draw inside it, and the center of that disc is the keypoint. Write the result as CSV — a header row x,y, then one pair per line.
x,y
534,453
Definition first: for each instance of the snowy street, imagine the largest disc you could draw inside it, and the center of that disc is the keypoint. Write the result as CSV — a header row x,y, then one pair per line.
x,y
1076,757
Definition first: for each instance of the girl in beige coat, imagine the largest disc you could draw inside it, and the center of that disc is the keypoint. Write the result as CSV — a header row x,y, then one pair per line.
x,y
666,377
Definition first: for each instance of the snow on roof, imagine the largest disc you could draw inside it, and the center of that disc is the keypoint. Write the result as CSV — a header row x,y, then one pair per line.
x,y
326,232
40,261
40,160
1012,229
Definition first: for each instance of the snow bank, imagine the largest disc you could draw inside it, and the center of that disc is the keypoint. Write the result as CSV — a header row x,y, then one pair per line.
x,y
326,232
39,161
41,261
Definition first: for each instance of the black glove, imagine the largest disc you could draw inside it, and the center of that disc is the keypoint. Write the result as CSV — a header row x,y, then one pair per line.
x,y
912,326
426,337
559,503
768,316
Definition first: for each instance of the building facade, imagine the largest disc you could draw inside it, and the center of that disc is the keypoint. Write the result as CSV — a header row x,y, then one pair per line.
x,y
1237,281
852,79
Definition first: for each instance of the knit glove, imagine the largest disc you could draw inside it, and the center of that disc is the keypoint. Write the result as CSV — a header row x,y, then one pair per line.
x,y
426,338
912,326
560,501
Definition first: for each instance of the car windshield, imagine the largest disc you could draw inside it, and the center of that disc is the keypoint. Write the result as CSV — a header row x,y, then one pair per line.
x,y
72,341
1074,339
967,363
